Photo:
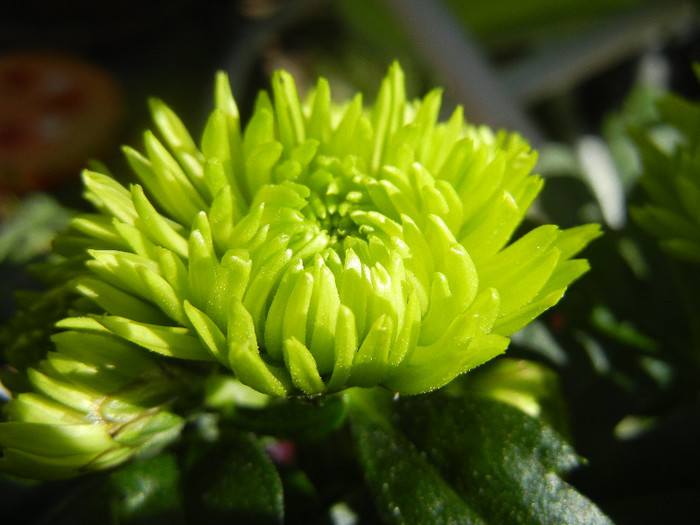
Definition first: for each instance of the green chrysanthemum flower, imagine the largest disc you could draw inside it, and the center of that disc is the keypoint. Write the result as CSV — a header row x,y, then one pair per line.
x,y
671,181
96,401
324,246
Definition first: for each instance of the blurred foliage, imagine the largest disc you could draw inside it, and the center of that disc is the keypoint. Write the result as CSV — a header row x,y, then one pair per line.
x,y
501,25
28,232
507,23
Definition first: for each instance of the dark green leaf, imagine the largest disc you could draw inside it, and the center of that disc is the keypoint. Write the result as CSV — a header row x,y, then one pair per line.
x,y
16,500
681,113
295,419
25,338
147,492
70,502
504,463
407,488
232,481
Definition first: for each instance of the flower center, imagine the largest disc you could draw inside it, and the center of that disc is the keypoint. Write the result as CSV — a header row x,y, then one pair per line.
x,y
337,191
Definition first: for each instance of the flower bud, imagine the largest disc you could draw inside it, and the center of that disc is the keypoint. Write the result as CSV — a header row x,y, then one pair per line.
x,y
95,402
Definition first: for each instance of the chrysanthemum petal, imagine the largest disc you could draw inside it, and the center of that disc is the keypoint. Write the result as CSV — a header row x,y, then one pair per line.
x,y
171,341
117,302
371,362
38,466
31,407
323,315
154,225
519,318
70,395
103,350
345,348
162,294
244,356
209,333
424,377
108,195
290,121
302,367
55,440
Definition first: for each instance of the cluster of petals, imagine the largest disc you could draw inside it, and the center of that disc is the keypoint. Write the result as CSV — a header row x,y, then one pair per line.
x,y
323,246
93,403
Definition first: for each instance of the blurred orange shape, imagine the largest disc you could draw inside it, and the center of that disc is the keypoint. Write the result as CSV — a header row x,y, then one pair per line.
x,y
55,113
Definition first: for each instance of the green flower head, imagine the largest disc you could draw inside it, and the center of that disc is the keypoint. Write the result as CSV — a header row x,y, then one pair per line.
x,y
324,245
94,402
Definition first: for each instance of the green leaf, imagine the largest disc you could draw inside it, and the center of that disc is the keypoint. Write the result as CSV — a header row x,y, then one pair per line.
x,y
681,113
24,339
407,488
68,503
232,481
505,463
147,492
28,231
294,419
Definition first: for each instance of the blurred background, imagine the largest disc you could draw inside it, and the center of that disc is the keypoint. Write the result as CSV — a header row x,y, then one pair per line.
x,y
571,75
75,75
